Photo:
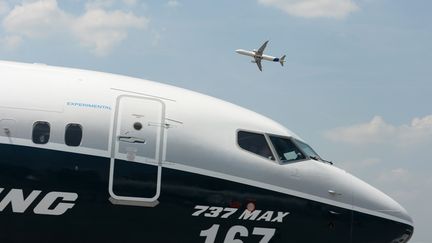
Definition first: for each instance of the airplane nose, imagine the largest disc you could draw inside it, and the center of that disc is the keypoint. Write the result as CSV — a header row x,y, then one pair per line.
x,y
377,217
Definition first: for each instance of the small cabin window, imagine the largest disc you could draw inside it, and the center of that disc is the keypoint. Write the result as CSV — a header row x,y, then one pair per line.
x,y
255,143
73,135
41,132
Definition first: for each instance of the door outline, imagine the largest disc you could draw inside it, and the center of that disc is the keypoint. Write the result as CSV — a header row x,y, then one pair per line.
x,y
127,200
8,128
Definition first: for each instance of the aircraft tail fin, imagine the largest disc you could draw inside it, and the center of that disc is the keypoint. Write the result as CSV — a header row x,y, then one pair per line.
x,y
282,60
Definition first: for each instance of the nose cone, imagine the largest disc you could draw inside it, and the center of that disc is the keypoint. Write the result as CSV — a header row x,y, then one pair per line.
x,y
368,197
240,51
377,217
243,52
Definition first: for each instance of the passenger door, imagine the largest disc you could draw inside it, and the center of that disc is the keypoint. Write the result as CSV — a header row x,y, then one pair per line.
x,y
135,169
8,129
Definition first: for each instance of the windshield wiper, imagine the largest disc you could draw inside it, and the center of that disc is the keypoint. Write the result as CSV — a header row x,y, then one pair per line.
x,y
320,159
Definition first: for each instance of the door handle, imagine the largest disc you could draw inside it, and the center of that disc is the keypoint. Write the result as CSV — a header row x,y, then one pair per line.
x,y
7,131
129,139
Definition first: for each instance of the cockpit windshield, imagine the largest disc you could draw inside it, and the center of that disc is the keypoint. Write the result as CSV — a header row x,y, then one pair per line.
x,y
307,149
286,149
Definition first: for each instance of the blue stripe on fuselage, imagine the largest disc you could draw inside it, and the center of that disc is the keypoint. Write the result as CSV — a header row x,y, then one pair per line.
x,y
30,169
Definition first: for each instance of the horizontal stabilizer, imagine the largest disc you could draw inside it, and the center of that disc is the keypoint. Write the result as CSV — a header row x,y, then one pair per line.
x,y
282,60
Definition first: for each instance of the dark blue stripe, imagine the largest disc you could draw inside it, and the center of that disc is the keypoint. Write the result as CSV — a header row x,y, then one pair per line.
x,y
95,219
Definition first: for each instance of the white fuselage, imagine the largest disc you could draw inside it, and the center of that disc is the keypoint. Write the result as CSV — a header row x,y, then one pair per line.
x,y
189,138
254,55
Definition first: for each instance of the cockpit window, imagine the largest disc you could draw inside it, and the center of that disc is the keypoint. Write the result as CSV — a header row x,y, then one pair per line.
x,y
255,143
307,149
286,149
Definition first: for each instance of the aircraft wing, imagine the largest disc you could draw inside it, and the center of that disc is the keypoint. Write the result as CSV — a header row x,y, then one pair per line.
x,y
258,62
261,49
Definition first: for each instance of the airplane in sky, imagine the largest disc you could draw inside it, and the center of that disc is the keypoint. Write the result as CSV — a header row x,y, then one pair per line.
x,y
258,56
96,157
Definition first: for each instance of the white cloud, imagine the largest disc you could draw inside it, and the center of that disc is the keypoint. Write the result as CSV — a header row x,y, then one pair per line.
x,y
35,19
101,30
97,4
110,4
97,29
4,7
173,3
130,2
377,131
314,8
11,42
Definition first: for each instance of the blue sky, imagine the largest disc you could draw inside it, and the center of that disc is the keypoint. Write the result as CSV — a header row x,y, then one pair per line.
x,y
357,83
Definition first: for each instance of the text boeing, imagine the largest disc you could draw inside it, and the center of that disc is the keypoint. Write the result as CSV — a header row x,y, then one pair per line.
x,y
52,203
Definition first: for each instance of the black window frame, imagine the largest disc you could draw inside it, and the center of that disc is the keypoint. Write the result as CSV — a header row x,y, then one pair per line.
x,y
67,140
38,132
